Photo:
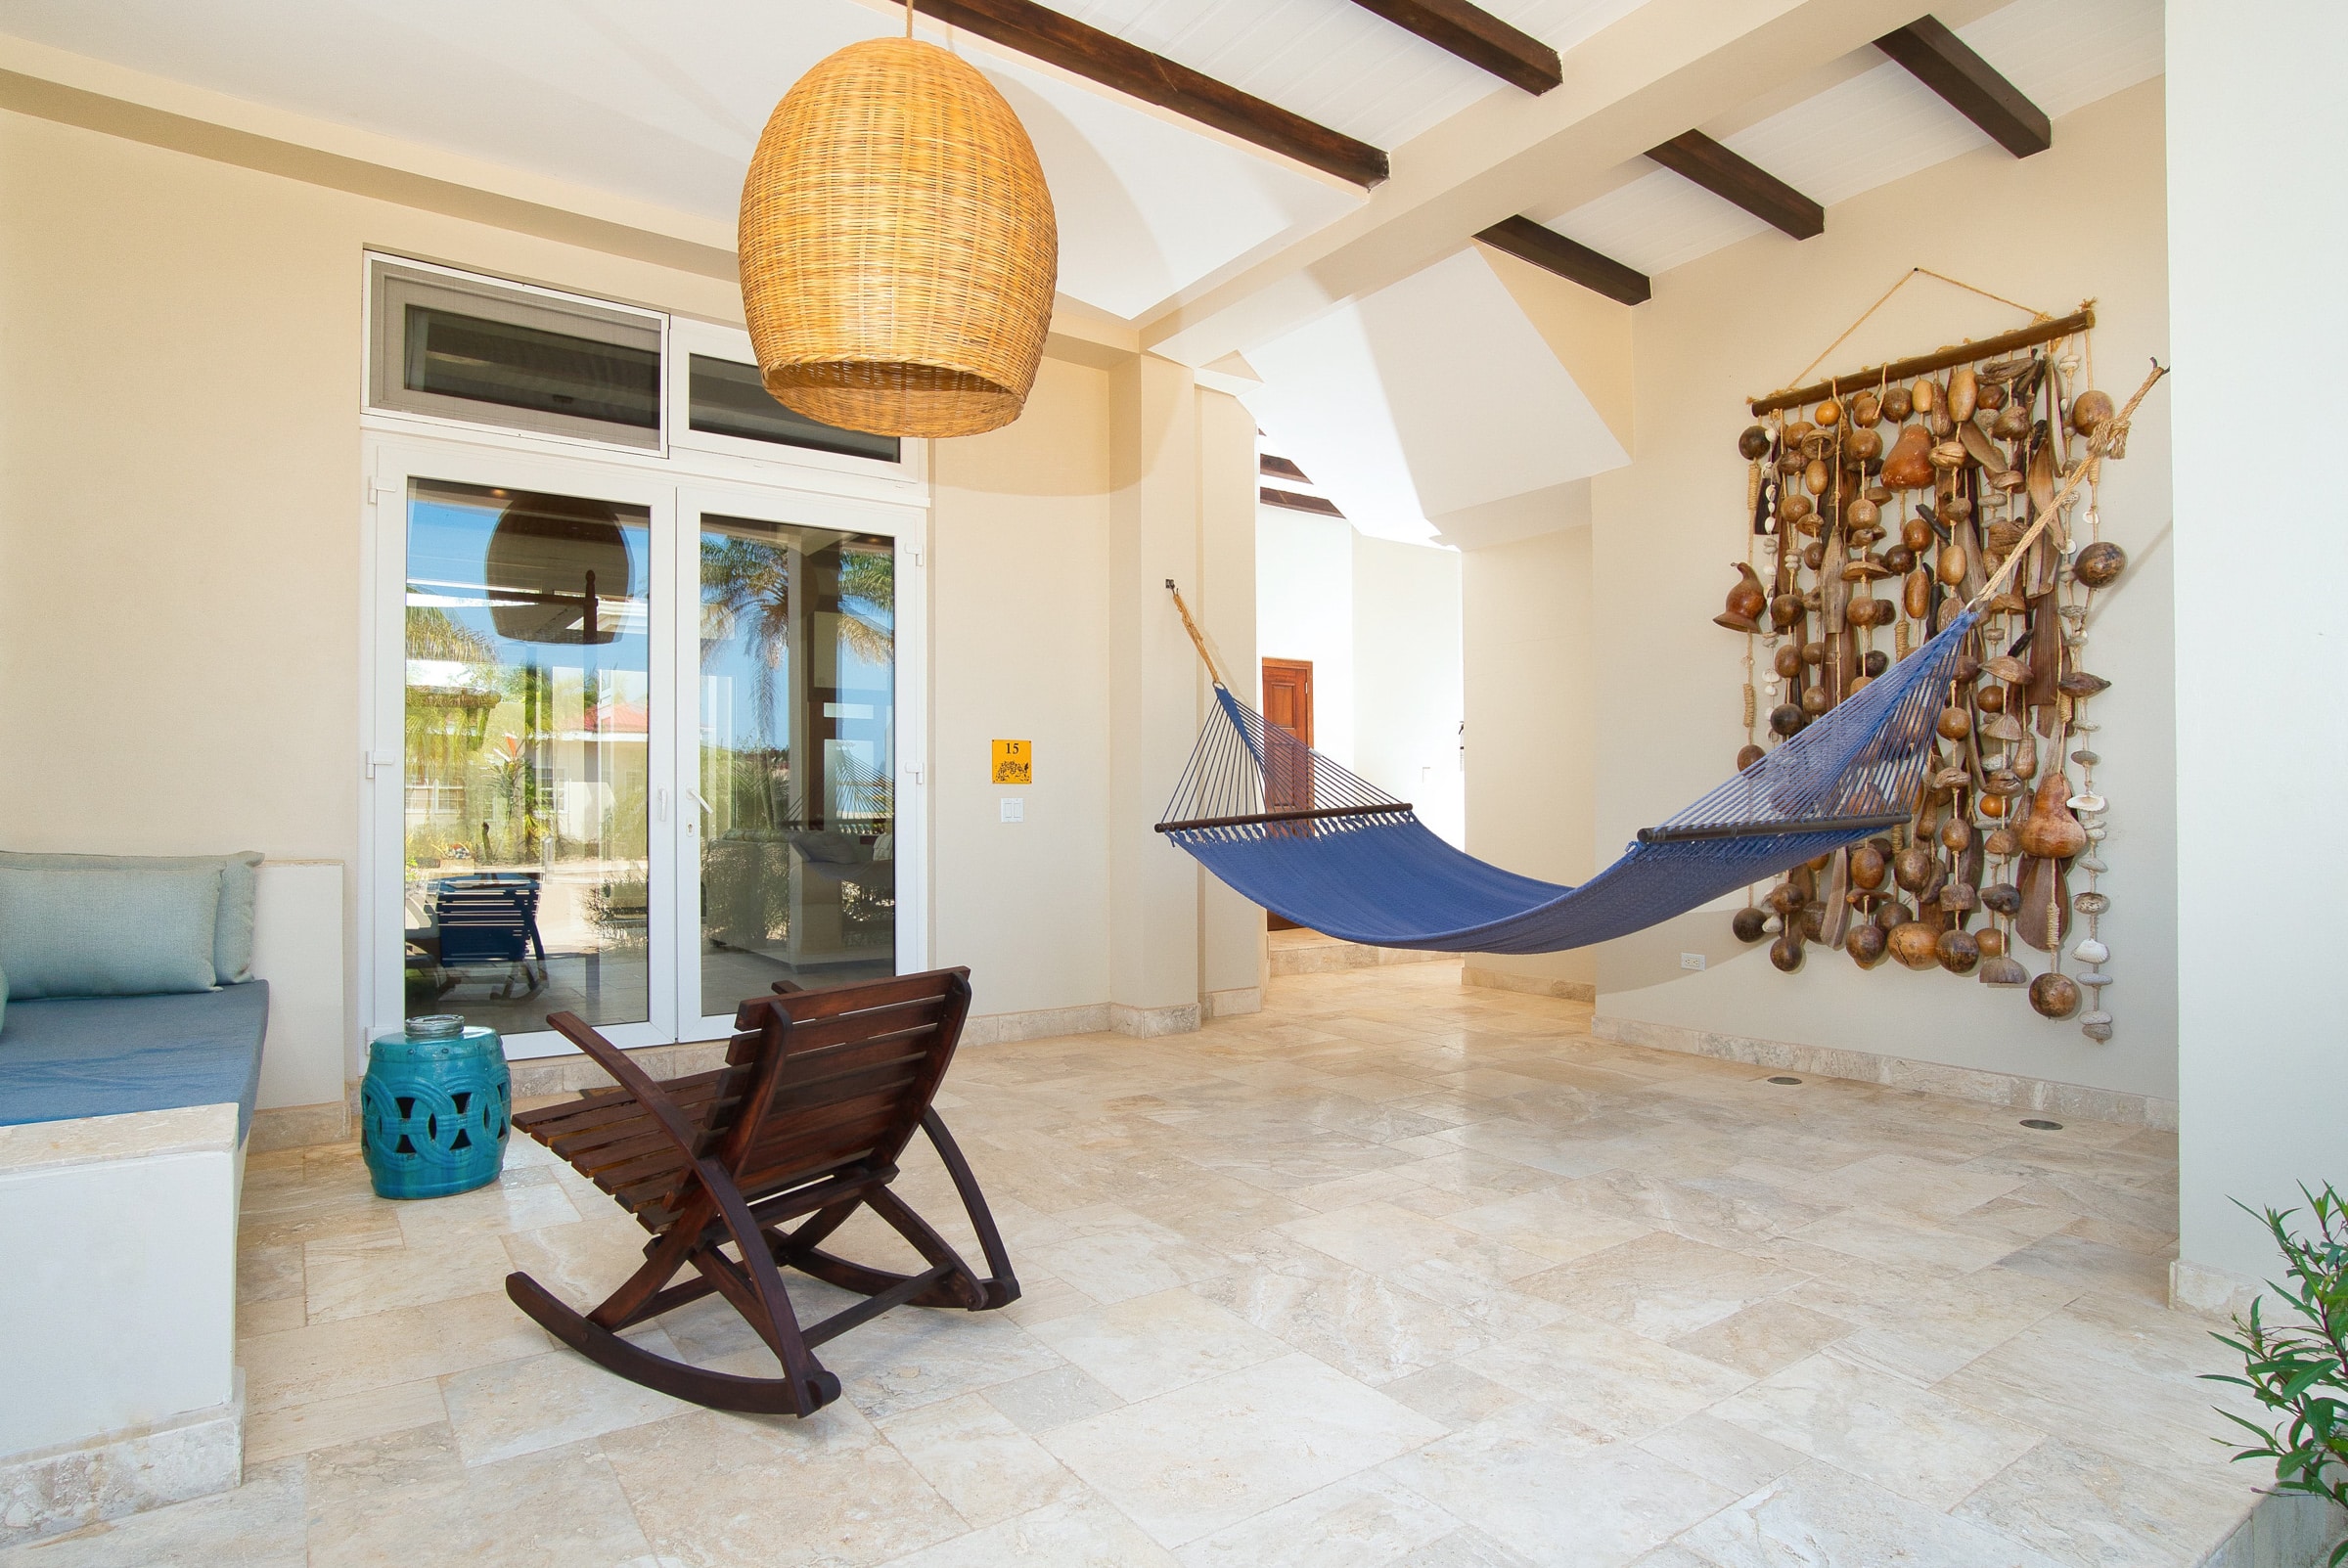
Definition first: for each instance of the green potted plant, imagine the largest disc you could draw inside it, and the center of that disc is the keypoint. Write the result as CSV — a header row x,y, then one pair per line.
x,y
2299,1372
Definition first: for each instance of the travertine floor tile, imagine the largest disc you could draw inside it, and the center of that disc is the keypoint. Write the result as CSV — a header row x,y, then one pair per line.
x,y
382,1349
1660,1285
1364,1521
1148,1345
1605,1377
522,1407
1041,1400
1193,1461
1764,1337
1394,1274
1555,1492
344,1418
1366,1328
1722,1454
1823,1517
979,1460
2092,1510
1912,1441
723,1491
391,1502
1450,1394
1080,1533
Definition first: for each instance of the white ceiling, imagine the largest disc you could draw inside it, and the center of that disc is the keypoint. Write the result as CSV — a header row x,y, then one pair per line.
x,y
1335,63
1430,397
664,105
1876,127
1435,395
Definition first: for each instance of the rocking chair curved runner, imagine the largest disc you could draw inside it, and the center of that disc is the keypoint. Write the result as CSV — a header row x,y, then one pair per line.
x,y
820,1093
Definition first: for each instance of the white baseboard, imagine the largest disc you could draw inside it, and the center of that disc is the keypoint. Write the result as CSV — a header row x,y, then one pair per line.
x,y
571,1072
2036,1095
2211,1291
1152,1023
1237,1001
301,1127
50,1490
2284,1531
1530,984
1041,1023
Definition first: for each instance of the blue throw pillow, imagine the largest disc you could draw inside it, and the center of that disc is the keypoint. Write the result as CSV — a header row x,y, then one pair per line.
x,y
240,881
107,933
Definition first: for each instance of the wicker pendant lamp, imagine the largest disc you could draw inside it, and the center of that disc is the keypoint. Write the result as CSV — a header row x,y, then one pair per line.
x,y
898,246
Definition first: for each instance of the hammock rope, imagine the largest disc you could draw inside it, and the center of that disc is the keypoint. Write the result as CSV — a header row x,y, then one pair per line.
x,y
1317,843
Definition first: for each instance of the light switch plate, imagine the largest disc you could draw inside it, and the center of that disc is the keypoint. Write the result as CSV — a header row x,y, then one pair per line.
x,y
1014,808
1691,961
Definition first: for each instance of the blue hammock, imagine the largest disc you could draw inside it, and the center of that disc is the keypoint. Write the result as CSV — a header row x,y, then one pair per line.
x,y
1312,842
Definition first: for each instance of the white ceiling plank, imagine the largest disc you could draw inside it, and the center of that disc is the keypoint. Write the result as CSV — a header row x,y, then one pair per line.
x,y
1878,125
1209,245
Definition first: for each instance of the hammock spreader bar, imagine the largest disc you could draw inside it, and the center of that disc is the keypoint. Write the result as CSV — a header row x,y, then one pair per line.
x,y
1314,842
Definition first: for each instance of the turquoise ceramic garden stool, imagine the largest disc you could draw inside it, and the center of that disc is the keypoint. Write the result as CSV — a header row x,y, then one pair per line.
x,y
436,1108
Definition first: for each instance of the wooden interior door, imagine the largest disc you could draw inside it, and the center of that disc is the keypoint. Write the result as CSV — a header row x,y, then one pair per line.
x,y
1288,696
1289,769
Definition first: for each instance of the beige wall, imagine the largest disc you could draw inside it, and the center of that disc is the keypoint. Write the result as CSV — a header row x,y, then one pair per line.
x,y
180,508
1665,681
2262,846
1531,711
1232,954
1020,531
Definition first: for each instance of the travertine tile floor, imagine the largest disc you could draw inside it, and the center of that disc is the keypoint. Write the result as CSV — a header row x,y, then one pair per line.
x,y
1394,1273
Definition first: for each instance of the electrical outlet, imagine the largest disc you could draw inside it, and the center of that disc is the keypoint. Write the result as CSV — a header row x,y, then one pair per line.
x,y
1691,961
1014,808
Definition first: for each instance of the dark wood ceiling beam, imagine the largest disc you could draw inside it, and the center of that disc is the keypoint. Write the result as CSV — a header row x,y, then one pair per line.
x,y
1476,36
1544,248
1701,160
1974,87
1056,40
1291,501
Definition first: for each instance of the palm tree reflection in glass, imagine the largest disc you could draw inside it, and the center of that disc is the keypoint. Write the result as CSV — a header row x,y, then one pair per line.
x,y
805,835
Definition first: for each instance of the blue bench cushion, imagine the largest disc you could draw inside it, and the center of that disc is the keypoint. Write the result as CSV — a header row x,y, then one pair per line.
x,y
64,1057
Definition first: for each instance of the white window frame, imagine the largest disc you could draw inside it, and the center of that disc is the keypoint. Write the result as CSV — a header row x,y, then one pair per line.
x,y
675,483
688,337
910,529
375,261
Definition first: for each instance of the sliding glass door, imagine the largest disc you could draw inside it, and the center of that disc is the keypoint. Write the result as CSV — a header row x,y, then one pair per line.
x,y
647,758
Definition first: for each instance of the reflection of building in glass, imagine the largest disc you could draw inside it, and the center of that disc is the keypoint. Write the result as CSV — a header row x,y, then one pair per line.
x,y
529,722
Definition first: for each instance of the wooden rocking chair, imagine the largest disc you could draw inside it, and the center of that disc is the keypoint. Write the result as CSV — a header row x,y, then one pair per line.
x,y
821,1092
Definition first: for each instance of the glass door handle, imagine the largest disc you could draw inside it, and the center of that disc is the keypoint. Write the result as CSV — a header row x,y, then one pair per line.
x,y
695,795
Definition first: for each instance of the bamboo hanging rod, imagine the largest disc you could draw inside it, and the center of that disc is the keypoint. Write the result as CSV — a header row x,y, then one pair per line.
x,y
2044,331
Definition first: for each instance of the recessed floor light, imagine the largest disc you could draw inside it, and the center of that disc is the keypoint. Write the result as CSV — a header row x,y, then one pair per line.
x,y
2042,1125
1784,1080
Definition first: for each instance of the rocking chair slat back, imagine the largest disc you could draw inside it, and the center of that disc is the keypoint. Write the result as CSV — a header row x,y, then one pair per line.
x,y
839,1091
805,1123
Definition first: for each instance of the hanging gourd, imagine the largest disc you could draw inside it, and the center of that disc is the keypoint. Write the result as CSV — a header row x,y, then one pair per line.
x,y
899,251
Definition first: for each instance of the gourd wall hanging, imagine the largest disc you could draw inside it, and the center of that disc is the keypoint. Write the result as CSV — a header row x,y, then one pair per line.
x,y
899,250
1934,478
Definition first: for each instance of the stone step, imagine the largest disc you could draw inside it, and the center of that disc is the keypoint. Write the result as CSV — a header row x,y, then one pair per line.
x,y
1311,953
